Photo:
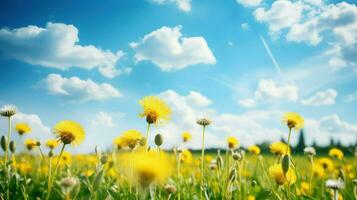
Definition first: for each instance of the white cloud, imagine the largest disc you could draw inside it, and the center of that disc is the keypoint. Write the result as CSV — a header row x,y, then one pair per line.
x,y
103,119
245,26
183,5
330,126
250,3
269,90
315,2
247,103
77,89
247,127
282,14
351,97
167,49
56,46
321,98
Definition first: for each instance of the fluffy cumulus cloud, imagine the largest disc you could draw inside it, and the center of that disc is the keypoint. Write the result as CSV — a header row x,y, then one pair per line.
x,y
56,45
250,3
331,126
247,127
321,98
314,22
77,89
282,14
103,119
170,51
270,91
183,5
351,97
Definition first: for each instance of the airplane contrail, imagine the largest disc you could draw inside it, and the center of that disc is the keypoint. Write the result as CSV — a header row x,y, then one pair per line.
x,y
270,54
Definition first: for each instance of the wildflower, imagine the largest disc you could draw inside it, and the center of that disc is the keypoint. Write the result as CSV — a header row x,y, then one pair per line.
x,y
293,120
88,172
155,110
336,153
68,184
254,149
279,148
186,136
66,158
203,122
148,166
318,170
69,132
276,172
8,110
51,143
22,128
131,138
326,163
171,189
30,144
232,142
119,142
305,188
335,184
186,156
251,197
310,151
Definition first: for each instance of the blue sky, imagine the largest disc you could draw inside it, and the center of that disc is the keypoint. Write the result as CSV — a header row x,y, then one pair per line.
x,y
91,62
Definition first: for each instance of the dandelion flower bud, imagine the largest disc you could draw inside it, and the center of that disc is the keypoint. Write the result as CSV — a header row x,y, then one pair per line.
x,y
8,110
219,162
68,183
171,189
335,184
232,174
104,159
203,122
12,147
50,153
3,143
253,183
310,151
237,156
38,143
158,140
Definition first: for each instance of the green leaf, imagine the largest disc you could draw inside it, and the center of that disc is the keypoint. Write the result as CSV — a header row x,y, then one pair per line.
x,y
285,164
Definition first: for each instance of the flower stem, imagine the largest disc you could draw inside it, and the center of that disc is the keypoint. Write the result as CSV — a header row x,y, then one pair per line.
x,y
287,148
5,159
312,173
179,176
202,159
54,174
147,136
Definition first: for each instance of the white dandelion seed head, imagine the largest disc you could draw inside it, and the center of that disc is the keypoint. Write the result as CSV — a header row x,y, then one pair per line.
x,y
8,110
310,151
335,184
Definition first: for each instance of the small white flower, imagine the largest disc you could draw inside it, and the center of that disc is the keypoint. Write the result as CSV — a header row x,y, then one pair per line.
x,y
8,110
310,151
335,184
68,183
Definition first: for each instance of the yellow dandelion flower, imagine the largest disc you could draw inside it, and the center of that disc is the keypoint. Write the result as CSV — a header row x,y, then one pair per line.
x,y
208,158
24,168
148,167
336,153
318,170
277,173
186,136
22,128
66,158
251,197
293,120
30,144
278,148
326,163
254,149
52,143
232,142
155,110
305,188
88,172
131,138
186,156
119,143
69,132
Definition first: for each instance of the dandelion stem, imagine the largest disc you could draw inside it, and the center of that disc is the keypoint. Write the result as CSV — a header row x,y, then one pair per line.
x,y
344,164
287,147
179,177
5,159
312,173
147,136
202,159
54,174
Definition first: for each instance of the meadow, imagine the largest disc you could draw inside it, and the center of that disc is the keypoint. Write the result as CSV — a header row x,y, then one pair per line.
x,y
134,170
